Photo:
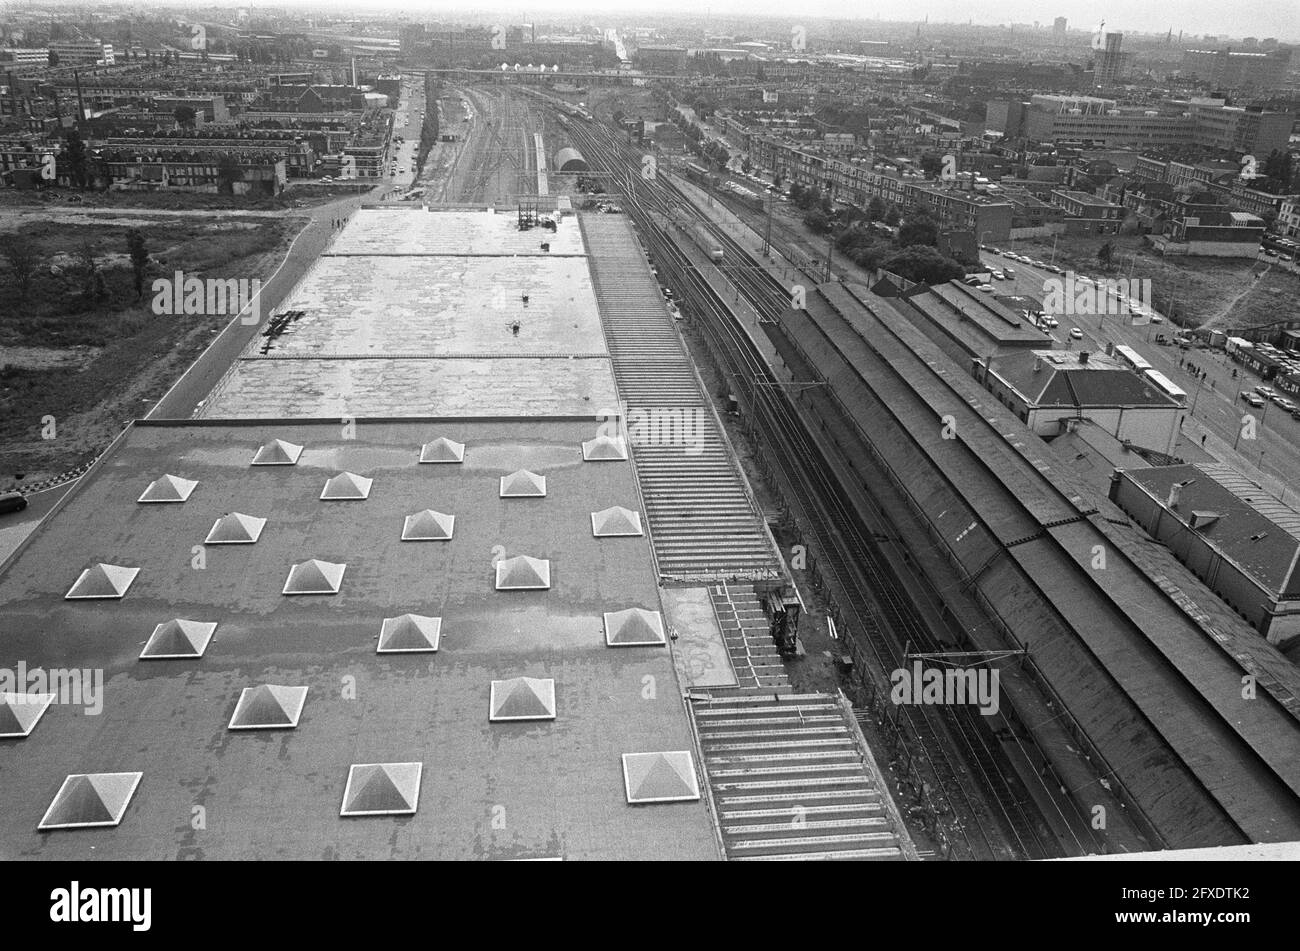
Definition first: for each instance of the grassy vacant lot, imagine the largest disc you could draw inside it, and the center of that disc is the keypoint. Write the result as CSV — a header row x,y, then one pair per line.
x,y
86,351
1217,292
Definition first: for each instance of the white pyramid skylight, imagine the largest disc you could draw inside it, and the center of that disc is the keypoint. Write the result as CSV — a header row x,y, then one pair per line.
x,y
523,573
346,487
634,627
277,453
409,634
522,698
168,488
178,639
235,529
268,707
660,777
19,713
86,800
428,526
102,581
523,484
442,450
314,577
615,522
604,449
382,789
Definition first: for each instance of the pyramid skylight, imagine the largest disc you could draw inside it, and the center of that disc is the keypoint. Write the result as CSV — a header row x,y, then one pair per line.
x,y
409,634
604,449
168,488
314,577
634,627
615,522
523,484
382,789
660,777
277,453
235,529
86,800
178,639
522,698
523,573
102,581
268,707
428,526
443,450
346,487
19,713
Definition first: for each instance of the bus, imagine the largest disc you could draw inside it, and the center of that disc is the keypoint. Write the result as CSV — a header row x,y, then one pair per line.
x,y
1166,386
1131,359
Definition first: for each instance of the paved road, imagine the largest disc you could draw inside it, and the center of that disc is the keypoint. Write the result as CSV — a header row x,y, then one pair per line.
x,y
1218,410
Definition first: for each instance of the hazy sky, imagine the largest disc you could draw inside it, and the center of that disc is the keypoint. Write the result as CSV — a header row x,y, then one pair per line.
x,y
1261,18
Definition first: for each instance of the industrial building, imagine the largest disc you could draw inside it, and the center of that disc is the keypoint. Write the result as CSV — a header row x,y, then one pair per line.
x,y
398,592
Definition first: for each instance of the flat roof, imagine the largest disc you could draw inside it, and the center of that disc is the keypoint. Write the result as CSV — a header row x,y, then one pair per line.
x,y
448,305
963,309
276,794
414,313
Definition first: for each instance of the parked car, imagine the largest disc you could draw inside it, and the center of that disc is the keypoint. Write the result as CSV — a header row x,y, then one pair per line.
x,y
1286,404
1254,399
986,288
1266,391
1076,333
12,502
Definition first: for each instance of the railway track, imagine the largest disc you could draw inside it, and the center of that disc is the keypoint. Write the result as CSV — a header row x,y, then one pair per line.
x,y
891,621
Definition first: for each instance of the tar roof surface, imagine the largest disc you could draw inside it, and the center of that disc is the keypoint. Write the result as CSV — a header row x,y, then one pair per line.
x,y
414,231
277,795
955,302
379,304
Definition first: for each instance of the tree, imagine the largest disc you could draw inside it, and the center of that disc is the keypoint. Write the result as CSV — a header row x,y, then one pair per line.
x,y
228,172
1106,254
918,230
923,264
746,166
75,153
92,282
892,216
184,116
139,255
23,258
875,208
817,221
931,164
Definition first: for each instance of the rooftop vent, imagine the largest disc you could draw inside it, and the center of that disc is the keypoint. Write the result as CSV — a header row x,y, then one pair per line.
x,y
409,634
1204,519
86,800
660,777
522,573
382,789
314,577
278,453
168,488
346,487
522,698
523,484
178,639
615,521
235,529
604,448
268,707
635,627
102,581
442,450
428,526
20,711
